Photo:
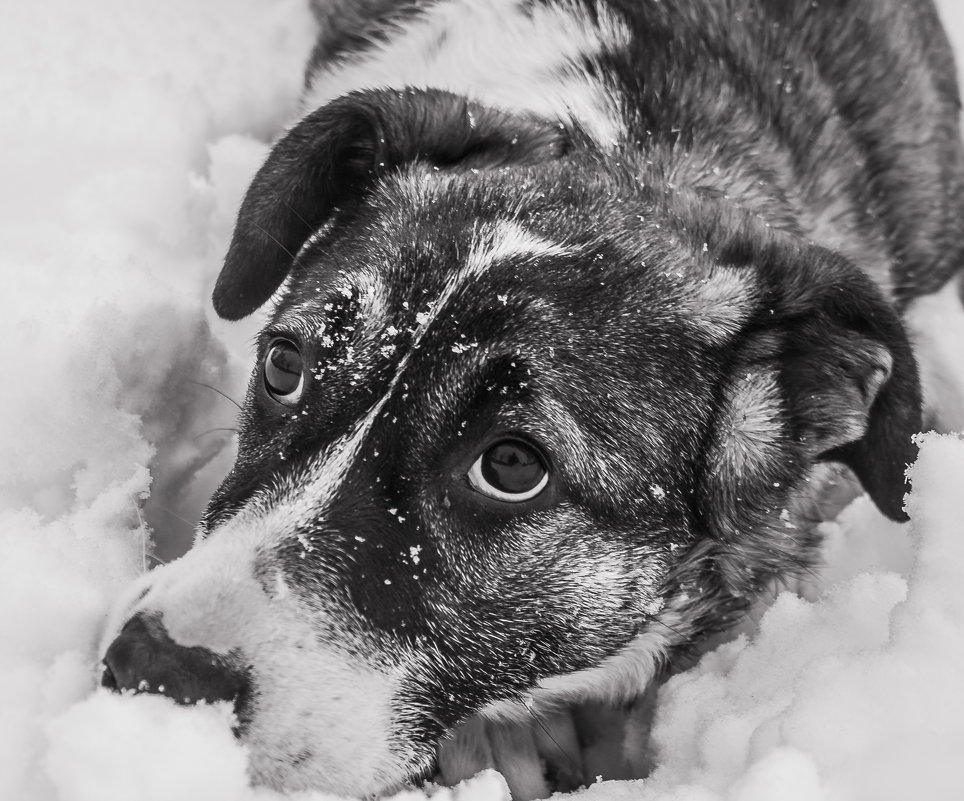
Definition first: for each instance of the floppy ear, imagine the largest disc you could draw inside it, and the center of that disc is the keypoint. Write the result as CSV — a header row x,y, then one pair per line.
x,y
335,154
850,375
825,373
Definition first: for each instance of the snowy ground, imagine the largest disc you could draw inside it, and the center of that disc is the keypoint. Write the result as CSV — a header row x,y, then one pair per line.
x,y
129,131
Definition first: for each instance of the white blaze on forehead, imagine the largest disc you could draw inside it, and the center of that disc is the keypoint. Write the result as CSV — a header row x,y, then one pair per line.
x,y
505,53
506,240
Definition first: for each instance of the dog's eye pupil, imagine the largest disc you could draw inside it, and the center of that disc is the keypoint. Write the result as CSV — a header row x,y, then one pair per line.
x,y
512,467
284,371
510,470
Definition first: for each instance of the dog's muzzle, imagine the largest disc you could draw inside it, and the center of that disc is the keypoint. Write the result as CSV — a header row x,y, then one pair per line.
x,y
145,659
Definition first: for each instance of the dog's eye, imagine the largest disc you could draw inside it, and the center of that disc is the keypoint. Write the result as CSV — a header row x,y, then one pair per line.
x,y
284,374
511,470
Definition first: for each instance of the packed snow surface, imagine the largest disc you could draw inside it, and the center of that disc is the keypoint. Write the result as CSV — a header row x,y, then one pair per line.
x,y
129,132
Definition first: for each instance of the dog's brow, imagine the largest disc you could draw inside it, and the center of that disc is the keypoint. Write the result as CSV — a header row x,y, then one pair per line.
x,y
492,244
366,290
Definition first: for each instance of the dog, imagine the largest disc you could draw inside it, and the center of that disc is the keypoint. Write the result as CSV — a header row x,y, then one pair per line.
x,y
581,307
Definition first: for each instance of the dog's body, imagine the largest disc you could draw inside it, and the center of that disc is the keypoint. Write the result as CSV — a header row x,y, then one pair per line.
x,y
580,297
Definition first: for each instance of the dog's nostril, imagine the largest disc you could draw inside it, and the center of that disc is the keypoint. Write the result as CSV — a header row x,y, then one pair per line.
x,y
144,658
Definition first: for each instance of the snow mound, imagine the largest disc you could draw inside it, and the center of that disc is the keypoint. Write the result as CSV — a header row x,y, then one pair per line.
x,y
856,695
131,130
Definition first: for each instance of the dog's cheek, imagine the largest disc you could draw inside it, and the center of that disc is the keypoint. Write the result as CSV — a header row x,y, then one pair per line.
x,y
757,499
749,435
556,595
749,460
584,589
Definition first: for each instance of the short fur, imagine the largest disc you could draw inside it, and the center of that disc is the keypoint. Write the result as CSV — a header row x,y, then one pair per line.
x,y
685,249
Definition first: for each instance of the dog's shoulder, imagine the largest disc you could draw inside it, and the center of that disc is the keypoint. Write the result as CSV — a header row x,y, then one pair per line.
x,y
517,55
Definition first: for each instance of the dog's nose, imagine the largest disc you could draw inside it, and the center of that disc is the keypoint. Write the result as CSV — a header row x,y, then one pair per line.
x,y
145,659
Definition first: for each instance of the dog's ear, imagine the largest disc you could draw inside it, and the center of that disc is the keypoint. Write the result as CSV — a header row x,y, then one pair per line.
x,y
336,153
836,358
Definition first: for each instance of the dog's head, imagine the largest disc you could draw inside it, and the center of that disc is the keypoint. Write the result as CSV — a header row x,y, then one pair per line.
x,y
523,418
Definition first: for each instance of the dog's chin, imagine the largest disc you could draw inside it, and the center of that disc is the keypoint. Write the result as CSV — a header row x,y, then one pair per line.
x,y
528,771
296,764
550,749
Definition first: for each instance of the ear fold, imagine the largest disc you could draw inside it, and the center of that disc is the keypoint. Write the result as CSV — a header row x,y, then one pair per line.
x,y
336,153
825,373
851,379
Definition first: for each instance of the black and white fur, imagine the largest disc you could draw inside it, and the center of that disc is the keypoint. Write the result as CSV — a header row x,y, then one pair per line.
x,y
694,252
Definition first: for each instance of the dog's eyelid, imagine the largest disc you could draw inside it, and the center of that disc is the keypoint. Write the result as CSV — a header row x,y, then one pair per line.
x,y
280,331
283,371
511,469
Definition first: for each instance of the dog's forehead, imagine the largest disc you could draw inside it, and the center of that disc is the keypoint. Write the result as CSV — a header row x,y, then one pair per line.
x,y
408,271
425,237
421,228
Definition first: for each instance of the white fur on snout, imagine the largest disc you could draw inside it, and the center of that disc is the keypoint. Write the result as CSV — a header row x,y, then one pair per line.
x,y
321,707
124,609
504,53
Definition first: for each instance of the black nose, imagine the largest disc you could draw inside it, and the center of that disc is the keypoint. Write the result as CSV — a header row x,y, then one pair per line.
x,y
145,659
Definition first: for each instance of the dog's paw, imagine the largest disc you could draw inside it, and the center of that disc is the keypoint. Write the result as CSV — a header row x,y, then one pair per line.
x,y
556,751
509,748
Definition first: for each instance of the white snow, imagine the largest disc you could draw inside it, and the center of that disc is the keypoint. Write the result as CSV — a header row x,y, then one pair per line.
x,y
130,129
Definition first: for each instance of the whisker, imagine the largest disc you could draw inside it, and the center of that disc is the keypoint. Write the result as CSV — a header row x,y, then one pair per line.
x,y
274,239
215,389
572,762
174,514
211,431
294,211
667,625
